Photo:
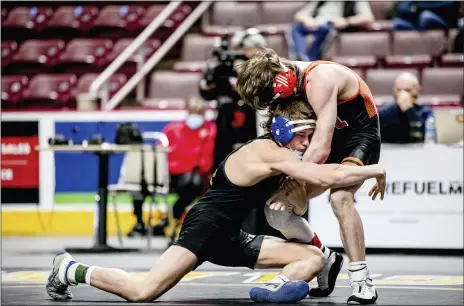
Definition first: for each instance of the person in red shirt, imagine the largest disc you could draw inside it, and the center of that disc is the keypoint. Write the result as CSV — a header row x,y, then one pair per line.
x,y
191,156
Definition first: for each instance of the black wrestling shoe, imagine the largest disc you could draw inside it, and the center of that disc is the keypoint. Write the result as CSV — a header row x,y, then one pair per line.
x,y
159,229
328,276
137,230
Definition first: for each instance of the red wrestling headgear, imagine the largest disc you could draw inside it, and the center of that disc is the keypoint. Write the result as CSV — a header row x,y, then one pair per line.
x,y
285,84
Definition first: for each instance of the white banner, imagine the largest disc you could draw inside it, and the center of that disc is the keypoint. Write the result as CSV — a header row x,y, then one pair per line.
x,y
422,208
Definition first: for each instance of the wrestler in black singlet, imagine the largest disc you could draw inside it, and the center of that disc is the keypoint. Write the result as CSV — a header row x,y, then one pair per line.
x,y
211,229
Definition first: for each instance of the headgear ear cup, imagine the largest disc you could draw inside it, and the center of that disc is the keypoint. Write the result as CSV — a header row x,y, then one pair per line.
x,y
285,83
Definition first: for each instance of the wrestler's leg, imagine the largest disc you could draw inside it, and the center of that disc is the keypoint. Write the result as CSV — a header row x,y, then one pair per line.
x,y
165,273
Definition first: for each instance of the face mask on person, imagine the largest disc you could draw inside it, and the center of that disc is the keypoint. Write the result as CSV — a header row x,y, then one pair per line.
x,y
194,121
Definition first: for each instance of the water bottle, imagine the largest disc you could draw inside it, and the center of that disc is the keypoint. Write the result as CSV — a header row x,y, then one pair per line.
x,y
430,130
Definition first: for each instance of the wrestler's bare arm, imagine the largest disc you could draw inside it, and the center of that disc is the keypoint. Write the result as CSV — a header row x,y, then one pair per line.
x,y
326,176
322,91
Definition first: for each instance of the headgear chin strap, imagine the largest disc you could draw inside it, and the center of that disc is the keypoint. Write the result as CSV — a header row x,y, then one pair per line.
x,y
283,130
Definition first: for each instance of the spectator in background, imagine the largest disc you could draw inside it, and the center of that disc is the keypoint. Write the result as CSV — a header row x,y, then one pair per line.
x,y
190,161
425,15
323,19
404,121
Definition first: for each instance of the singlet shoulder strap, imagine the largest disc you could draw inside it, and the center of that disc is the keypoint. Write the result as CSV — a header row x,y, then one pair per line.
x,y
314,64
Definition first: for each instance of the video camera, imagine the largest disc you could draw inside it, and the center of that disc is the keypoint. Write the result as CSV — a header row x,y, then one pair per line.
x,y
222,64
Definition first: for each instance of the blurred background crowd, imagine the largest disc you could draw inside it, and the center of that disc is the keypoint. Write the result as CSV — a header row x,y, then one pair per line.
x,y
410,53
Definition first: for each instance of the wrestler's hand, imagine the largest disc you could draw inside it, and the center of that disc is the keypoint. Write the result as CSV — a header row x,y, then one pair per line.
x,y
296,195
380,186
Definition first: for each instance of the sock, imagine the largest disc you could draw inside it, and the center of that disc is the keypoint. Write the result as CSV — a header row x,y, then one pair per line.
x,y
326,251
279,279
357,265
79,273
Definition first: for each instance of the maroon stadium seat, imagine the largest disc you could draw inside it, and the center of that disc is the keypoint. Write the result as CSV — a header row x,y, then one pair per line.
x,y
74,17
197,47
380,10
360,61
414,42
278,43
126,17
168,103
44,52
381,82
116,82
244,14
276,17
442,85
13,87
191,66
147,49
173,21
91,53
405,61
167,84
452,60
8,51
451,37
375,44
35,18
50,89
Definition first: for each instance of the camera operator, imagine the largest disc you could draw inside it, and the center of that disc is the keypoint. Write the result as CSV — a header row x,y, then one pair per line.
x,y
235,122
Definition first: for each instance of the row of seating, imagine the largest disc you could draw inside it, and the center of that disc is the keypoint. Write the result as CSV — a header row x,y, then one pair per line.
x,y
36,55
273,17
84,18
356,50
440,86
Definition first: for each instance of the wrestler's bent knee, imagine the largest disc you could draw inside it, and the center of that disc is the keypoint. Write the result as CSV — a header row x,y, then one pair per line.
x,y
340,201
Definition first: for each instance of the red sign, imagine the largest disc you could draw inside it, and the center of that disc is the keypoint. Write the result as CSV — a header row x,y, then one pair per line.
x,y
20,162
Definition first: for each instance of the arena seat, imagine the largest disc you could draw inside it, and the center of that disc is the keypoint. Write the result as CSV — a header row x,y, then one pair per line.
x,y
40,52
35,18
380,10
276,17
216,30
381,82
278,43
413,42
91,54
452,60
172,22
442,85
9,49
362,49
120,16
195,51
360,61
168,84
170,103
405,61
197,47
81,18
50,90
83,84
147,49
13,87
245,14
375,44
452,33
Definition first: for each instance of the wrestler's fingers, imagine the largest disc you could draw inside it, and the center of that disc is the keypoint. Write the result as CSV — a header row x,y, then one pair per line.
x,y
372,189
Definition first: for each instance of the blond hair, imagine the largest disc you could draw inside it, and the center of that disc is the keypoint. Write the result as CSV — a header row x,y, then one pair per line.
x,y
292,110
256,76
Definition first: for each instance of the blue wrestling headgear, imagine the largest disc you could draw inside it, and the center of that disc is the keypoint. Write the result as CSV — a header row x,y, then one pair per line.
x,y
283,130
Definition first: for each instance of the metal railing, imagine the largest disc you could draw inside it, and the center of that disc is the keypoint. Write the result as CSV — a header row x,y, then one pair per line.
x,y
157,56
101,82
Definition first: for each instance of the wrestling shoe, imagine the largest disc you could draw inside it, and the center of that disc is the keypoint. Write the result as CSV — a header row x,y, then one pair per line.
x,y
328,276
57,285
364,291
288,292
